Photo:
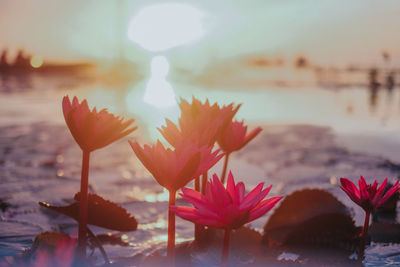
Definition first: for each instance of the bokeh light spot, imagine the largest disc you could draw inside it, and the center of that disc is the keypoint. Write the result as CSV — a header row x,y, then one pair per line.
x,y
36,61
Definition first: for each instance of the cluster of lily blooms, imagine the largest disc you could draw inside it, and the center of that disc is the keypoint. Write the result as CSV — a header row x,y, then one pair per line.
x,y
192,154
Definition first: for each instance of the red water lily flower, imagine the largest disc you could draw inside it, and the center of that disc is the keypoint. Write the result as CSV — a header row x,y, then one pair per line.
x,y
233,138
92,129
369,197
227,208
173,169
204,133
192,113
199,122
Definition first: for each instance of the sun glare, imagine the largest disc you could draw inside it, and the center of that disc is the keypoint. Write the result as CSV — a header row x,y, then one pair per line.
x,y
164,26
159,92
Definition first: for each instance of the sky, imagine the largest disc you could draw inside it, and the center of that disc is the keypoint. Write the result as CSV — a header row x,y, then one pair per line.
x,y
328,32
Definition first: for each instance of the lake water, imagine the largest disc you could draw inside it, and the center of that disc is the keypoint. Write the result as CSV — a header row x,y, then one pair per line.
x,y
40,161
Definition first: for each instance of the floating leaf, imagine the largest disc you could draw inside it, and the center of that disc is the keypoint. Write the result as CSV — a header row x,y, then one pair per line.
x,y
101,213
49,249
385,232
4,205
243,238
311,217
50,240
388,210
390,165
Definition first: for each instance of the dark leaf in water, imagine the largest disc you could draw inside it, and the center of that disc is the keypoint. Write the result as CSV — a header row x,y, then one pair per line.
x,y
48,249
110,239
385,232
244,246
387,212
46,241
243,238
311,217
53,249
183,256
101,213
4,205
50,240
387,164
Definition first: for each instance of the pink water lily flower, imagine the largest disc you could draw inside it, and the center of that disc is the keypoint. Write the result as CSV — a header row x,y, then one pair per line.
x,y
93,129
369,197
204,117
173,169
199,122
234,137
227,208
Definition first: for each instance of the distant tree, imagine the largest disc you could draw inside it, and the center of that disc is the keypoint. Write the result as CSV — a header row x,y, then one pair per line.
x,y
301,62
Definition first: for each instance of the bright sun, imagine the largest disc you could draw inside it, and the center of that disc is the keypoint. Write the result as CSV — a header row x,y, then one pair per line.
x,y
163,26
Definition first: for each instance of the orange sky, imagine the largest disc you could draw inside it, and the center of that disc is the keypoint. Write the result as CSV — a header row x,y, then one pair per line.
x,y
339,31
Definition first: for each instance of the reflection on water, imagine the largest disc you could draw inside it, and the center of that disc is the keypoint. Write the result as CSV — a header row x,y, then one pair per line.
x,y
159,239
164,196
160,223
149,116
164,238
15,83
149,195
356,110
145,199
159,92
373,88
309,105
381,254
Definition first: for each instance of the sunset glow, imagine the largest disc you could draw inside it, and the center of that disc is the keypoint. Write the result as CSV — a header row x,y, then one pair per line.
x,y
199,133
164,26
159,92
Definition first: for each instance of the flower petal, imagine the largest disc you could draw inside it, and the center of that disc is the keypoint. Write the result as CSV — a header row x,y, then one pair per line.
x,y
350,187
363,189
263,207
395,188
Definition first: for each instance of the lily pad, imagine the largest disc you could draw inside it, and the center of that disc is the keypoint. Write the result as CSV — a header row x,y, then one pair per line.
x,y
101,212
311,217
